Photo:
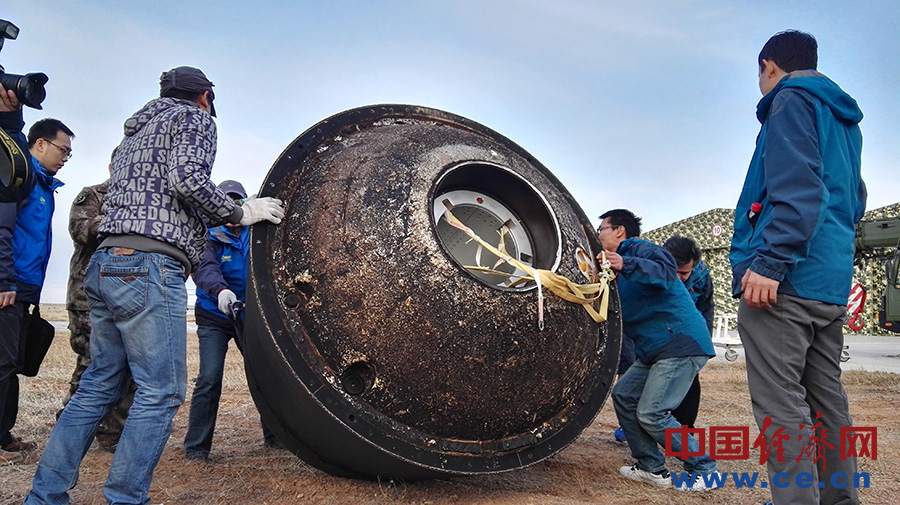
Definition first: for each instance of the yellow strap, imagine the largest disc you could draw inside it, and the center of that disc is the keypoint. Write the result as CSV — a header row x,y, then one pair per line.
x,y
19,163
585,295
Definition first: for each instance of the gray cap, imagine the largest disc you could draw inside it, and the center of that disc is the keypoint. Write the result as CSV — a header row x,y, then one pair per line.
x,y
189,79
233,188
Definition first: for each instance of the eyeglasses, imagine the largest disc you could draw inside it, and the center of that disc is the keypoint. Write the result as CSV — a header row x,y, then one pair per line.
x,y
600,229
67,153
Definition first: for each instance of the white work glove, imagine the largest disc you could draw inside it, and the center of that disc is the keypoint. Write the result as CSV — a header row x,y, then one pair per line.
x,y
226,298
261,209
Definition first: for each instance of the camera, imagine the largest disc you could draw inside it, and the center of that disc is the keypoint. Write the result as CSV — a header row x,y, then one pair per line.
x,y
16,181
29,88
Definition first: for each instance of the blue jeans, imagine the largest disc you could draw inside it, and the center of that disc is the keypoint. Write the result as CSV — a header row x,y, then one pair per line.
x,y
644,398
207,392
138,312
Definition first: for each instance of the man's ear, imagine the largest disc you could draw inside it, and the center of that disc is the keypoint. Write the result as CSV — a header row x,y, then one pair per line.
x,y
771,69
40,145
203,100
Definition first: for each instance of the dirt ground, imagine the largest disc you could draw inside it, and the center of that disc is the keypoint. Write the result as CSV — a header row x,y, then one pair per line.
x,y
243,471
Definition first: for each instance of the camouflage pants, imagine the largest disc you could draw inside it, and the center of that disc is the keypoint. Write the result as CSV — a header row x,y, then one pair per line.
x,y
80,334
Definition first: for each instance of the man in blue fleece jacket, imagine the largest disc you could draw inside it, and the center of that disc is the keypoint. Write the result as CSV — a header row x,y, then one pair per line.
x,y
25,240
792,260
694,273
671,344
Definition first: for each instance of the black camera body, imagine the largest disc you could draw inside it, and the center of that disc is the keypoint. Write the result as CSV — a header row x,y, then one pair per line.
x,y
29,88
16,181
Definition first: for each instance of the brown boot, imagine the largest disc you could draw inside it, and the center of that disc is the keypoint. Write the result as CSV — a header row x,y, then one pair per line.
x,y
10,458
19,445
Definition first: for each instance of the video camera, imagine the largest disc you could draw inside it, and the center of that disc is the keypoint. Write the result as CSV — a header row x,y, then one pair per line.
x,y
15,168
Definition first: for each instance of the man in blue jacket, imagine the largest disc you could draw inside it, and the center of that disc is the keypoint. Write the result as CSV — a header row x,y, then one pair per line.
x,y
25,239
221,281
694,273
792,260
671,344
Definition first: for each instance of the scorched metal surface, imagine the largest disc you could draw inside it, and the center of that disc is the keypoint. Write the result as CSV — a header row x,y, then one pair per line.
x,y
371,350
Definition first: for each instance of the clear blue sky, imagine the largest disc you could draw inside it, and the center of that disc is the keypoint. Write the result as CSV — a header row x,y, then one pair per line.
x,y
645,105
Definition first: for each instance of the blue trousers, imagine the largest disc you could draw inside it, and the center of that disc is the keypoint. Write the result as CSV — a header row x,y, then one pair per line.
x,y
138,312
208,391
644,398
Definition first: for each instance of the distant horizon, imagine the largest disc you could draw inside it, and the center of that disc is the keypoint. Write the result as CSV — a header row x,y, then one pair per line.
x,y
649,106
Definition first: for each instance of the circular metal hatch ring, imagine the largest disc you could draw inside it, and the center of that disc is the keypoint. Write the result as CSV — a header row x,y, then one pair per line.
x,y
491,201
370,350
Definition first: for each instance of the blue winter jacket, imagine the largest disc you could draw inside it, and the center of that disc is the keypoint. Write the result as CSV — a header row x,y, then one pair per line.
x,y
657,310
223,266
26,238
700,287
805,173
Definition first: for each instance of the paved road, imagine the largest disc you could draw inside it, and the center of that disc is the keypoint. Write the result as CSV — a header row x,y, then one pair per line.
x,y
874,353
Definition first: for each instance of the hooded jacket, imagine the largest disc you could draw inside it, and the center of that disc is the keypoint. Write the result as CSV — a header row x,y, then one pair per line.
x,y
700,287
224,266
805,173
657,310
160,186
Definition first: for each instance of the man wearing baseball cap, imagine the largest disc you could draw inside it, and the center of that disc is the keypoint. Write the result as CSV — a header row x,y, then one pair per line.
x,y
221,285
153,233
183,81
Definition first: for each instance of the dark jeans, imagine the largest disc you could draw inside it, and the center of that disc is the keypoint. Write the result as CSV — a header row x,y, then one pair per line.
x,y
686,413
208,391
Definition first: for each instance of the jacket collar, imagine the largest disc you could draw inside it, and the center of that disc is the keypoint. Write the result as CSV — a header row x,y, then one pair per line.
x,y
41,175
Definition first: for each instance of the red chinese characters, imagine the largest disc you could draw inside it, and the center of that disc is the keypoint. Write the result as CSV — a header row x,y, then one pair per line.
x,y
733,442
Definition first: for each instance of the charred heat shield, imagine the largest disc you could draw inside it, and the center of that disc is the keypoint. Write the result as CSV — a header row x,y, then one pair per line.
x,y
372,350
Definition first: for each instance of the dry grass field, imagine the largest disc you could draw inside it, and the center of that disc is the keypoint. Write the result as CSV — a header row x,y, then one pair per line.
x,y
243,471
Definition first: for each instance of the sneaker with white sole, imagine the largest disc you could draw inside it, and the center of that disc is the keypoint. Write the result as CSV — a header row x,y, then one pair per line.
x,y
634,472
703,482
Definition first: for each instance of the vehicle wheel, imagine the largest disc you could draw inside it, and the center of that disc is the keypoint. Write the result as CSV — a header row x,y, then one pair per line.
x,y
731,354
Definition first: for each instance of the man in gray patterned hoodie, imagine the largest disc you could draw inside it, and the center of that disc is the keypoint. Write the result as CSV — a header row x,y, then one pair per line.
x,y
159,205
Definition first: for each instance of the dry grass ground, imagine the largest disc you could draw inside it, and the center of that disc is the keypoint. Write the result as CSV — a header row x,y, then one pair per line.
x,y
243,471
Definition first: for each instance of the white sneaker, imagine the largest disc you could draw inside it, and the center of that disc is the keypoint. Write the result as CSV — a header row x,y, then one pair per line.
x,y
712,480
636,473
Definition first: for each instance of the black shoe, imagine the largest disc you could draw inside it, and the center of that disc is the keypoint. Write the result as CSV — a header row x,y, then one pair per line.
x,y
19,445
196,458
107,442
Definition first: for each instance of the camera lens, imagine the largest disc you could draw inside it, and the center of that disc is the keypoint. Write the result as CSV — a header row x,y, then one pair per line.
x,y
29,88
